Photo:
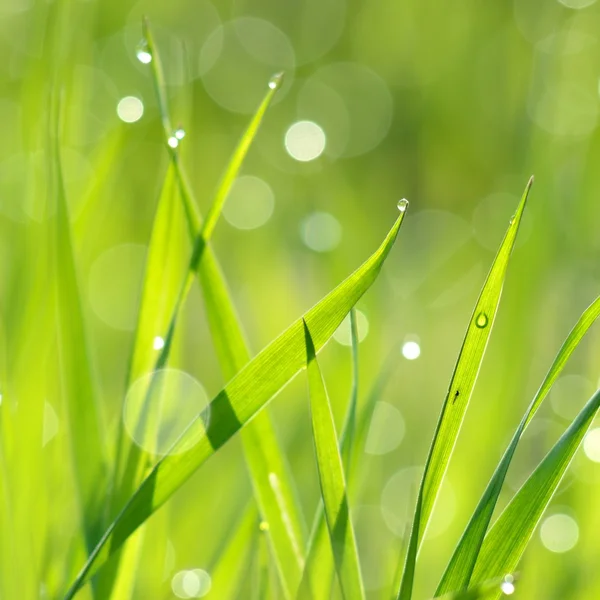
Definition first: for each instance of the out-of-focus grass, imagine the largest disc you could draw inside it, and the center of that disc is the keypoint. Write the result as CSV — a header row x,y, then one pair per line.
x,y
481,96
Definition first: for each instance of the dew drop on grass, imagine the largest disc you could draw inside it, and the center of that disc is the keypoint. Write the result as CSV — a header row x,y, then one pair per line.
x,y
143,52
173,142
276,81
402,205
158,343
179,133
482,320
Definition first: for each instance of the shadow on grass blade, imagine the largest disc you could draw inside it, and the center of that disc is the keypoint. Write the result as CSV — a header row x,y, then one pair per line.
x,y
458,396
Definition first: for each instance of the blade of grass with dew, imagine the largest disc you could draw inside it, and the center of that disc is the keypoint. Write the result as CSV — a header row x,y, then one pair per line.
x,y
459,570
272,482
228,566
319,565
507,540
332,481
246,394
459,393
77,380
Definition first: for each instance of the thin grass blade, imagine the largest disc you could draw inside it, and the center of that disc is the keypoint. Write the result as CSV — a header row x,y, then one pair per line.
x,y
246,394
271,479
76,375
459,393
332,480
506,541
460,568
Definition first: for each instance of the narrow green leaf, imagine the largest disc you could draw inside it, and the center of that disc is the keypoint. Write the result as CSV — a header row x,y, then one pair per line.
x,y
332,480
76,375
271,479
319,565
349,427
246,394
459,393
460,568
506,541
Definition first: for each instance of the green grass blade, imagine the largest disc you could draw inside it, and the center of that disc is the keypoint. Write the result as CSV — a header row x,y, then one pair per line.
x,y
319,565
76,375
348,431
506,541
271,480
332,480
247,393
459,393
460,568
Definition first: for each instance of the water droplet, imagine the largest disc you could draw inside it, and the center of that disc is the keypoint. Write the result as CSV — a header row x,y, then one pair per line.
x,y
173,142
276,81
508,588
482,320
402,205
158,343
179,133
512,220
263,526
143,52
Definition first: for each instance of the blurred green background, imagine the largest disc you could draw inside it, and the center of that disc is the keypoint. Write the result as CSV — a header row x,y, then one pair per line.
x,y
452,105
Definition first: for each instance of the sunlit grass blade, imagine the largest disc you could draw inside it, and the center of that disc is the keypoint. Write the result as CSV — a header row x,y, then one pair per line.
x,y
246,394
332,481
319,565
228,566
271,480
350,422
76,375
459,393
485,591
506,541
460,568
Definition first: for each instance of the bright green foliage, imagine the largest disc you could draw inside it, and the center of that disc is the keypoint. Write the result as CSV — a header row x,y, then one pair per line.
x,y
240,400
458,573
459,392
332,480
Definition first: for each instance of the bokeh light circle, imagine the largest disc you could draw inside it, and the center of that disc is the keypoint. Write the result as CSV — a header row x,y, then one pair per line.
x,y
114,285
160,406
386,430
193,583
305,141
591,445
321,232
559,533
343,334
250,203
238,60
568,395
130,109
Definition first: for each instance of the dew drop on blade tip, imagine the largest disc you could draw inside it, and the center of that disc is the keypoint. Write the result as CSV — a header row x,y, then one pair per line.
x,y
482,320
179,133
402,205
173,142
276,81
143,53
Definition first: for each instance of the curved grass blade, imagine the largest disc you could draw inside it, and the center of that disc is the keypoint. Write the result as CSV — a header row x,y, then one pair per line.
x,y
506,541
459,393
244,396
332,480
76,374
271,480
460,568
